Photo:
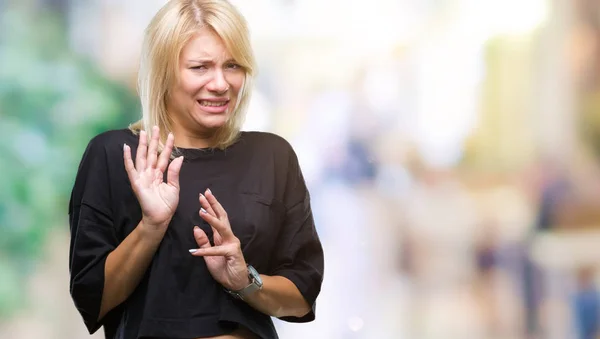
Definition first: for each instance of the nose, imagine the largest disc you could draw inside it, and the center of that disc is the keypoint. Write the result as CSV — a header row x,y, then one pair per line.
x,y
218,84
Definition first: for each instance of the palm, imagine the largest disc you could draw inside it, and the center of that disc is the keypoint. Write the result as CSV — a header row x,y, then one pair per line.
x,y
226,269
225,260
158,199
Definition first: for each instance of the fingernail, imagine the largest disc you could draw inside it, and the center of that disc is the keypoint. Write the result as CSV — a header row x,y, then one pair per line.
x,y
193,250
208,190
201,195
124,147
196,228
202,210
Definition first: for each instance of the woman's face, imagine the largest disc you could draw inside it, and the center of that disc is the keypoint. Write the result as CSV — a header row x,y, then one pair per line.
x,y
209,84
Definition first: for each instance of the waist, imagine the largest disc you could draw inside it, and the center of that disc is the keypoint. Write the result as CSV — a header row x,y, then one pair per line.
x,y
241,333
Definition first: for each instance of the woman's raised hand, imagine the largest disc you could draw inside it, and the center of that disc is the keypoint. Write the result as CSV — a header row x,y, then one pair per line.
x,y
157,198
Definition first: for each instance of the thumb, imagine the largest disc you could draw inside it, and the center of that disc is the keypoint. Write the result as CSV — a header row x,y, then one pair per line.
x,y
173,172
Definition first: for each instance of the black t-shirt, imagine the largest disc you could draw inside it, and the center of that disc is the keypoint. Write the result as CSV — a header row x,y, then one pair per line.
x,y
259,183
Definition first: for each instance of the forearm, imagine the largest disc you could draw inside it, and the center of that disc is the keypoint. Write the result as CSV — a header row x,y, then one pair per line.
x,y
279,297
125,266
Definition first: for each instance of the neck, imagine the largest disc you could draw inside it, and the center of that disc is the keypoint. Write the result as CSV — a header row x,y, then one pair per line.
x,y
193,139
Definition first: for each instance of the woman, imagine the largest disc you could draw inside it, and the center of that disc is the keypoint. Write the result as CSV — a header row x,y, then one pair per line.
x,y
199,231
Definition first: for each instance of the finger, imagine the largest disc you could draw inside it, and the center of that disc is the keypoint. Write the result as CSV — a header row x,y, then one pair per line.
x,y
173,172
140,157
221,226
204,204
129,167
165,155
201,238
152,149
209,218
214,203
205,207
221,251
202,241
218,240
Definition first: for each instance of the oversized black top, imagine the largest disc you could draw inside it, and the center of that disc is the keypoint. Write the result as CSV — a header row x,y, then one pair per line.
x,y
259,183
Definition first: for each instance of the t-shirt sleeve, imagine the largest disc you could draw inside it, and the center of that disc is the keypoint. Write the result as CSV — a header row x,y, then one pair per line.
x,y
299,254
93,235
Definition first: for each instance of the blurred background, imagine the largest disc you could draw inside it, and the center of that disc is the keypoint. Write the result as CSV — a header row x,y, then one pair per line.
x,y
451,148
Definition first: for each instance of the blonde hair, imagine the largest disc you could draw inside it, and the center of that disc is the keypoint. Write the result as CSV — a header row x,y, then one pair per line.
x,y
165,37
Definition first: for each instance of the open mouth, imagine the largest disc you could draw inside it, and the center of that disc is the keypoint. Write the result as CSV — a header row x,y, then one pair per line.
x,y
207,103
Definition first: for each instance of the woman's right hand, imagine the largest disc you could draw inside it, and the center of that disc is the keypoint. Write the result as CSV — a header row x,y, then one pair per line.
x,y
158,199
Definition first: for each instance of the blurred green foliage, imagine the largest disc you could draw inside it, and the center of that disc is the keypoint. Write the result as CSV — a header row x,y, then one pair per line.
x,y
51,103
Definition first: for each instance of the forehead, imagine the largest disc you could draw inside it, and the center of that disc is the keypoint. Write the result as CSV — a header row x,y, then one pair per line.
x,y
205,44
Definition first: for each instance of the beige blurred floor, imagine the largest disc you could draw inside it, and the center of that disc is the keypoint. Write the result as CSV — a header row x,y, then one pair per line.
x,y
52,315
394,308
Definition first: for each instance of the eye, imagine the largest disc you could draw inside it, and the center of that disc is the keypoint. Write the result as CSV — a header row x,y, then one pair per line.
x,y
199,67
233,66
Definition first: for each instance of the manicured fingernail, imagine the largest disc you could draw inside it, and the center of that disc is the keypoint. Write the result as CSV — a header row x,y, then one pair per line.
x,y
193,250
202,210
209,191
124,147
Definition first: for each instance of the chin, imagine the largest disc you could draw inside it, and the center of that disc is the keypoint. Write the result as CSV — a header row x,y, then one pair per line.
x,y
212,122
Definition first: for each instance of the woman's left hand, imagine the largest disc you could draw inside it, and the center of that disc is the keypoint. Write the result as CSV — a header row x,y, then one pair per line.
x,y
225,260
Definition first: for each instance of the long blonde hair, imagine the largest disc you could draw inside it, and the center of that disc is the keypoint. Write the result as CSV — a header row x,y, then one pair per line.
x,y
165,37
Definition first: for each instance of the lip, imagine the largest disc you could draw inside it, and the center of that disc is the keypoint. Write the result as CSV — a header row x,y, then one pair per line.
x,y
214,99
214,109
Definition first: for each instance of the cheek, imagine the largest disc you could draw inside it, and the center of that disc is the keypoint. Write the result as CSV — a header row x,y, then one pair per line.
x,y
191,84
236,81
176,97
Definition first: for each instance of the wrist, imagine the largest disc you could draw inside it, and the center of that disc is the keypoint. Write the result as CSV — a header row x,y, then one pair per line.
x,y
152,231
245,281
252,285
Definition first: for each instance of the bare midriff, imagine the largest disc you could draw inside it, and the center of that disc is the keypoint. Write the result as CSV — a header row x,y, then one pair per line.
x,y
241,333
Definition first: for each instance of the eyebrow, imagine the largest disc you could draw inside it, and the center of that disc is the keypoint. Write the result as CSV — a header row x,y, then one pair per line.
x,y
210,60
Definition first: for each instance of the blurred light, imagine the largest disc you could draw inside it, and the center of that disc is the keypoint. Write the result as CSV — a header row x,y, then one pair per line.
x,y
257,11
258,116
449,75
381,86
355,324
506,17
516,16
376,27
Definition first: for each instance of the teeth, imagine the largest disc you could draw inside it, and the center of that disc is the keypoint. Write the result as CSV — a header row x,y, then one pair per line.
x,y
213,103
